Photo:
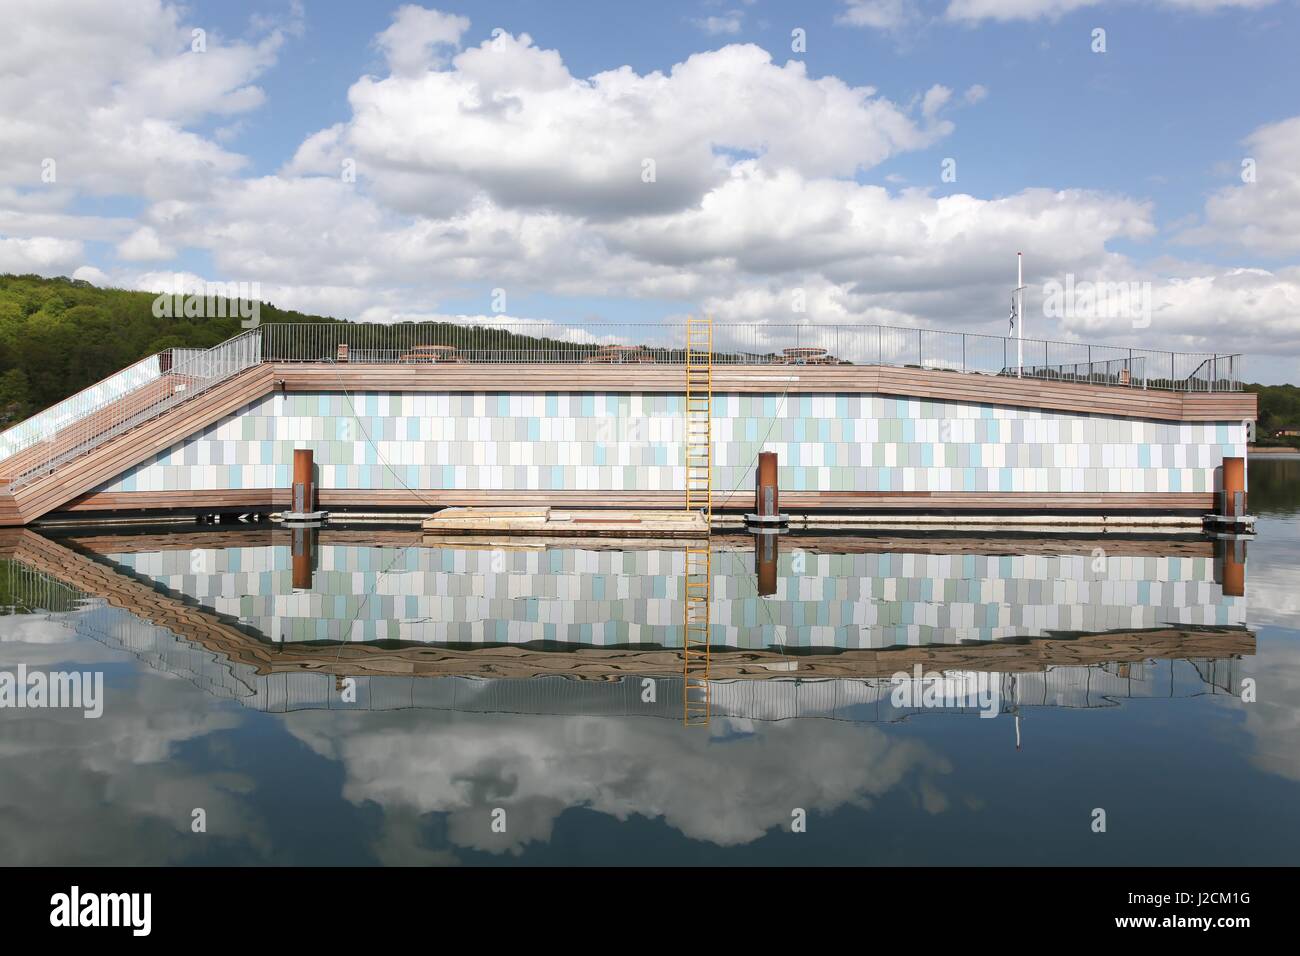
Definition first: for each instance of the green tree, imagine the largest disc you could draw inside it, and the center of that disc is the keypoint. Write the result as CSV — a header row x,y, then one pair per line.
x,y
15,396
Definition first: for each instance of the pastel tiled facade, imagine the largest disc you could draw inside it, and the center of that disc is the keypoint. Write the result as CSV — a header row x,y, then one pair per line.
x,y
523,441
614,598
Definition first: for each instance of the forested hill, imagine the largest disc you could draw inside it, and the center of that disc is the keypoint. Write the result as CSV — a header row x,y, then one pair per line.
x,y
59,335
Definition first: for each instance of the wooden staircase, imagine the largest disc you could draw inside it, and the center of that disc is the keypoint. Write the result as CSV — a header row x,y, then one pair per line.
x,y
65,441
84,472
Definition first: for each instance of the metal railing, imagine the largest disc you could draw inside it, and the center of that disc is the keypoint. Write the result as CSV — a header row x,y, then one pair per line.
x,y
85,402
751,344
181,375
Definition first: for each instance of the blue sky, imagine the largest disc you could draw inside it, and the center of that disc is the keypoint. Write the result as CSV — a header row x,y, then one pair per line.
x,y
1153,116
817,170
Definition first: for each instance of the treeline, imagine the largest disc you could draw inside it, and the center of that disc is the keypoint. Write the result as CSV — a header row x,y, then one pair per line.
x,y
1279,408
58,336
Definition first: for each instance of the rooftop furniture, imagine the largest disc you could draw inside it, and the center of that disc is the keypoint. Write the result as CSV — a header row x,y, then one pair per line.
x,y
430,355
621,355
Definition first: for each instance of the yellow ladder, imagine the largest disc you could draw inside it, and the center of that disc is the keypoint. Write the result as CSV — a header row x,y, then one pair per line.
x,y
699,415
699,498
695,640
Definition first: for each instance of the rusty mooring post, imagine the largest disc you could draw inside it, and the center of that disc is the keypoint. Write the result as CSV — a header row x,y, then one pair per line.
x,y
304,483
1230,502
302,549
766,555
767,497
1230,565
302,505
1234,487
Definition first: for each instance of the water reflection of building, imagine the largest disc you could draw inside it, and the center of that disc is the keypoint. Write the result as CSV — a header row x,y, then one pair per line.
x,y
476,595
1087,670
775,698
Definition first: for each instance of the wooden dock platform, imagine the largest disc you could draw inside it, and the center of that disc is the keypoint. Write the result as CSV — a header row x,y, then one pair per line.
x,y
569,522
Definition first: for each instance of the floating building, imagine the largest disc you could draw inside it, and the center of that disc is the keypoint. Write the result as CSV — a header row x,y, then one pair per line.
x,y
414,418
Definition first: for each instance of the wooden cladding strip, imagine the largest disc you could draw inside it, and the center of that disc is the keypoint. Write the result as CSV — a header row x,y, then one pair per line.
x,y
254,499
935,384
591,663
428,500
255,536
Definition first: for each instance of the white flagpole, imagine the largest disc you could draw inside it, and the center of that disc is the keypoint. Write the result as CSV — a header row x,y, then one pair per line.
x,y
1020,315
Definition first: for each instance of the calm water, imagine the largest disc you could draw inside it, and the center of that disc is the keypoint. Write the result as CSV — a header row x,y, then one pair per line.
x,y
544,683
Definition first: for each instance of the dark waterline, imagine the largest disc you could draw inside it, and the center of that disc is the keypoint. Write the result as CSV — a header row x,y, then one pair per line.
x,y
243,717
